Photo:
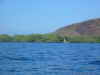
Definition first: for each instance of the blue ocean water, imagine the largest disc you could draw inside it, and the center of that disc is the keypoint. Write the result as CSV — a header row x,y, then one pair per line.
x,y
49,59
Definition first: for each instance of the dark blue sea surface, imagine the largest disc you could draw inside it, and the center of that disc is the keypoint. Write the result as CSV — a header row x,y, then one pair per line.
x,y
49,59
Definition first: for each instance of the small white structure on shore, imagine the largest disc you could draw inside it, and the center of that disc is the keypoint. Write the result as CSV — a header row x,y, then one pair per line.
x,y
65,40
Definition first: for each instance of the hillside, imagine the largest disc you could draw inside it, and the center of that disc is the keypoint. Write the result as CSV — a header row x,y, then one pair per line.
x,y
86,28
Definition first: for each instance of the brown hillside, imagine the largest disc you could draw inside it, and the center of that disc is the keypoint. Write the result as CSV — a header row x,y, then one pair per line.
x,y
86,28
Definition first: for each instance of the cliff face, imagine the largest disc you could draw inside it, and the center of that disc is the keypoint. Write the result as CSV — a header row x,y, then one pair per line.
x,y
86,28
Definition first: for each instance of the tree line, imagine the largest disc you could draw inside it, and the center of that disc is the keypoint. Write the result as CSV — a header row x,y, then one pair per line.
x,y
47,38
31,38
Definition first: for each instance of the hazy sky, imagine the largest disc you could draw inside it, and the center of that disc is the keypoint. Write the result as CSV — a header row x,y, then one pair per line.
x,y
44,16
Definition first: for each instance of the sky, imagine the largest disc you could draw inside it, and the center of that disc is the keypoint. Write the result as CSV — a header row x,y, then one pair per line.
x,y
44,16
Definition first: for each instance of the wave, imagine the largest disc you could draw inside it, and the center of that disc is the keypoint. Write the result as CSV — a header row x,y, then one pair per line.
x,y
97,62
2,57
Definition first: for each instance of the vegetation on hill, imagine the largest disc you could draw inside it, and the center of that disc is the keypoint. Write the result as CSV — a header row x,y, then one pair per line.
x,y
47,38
95,39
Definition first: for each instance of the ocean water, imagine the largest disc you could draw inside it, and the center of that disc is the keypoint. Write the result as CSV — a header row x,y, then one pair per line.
x,y
49,59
